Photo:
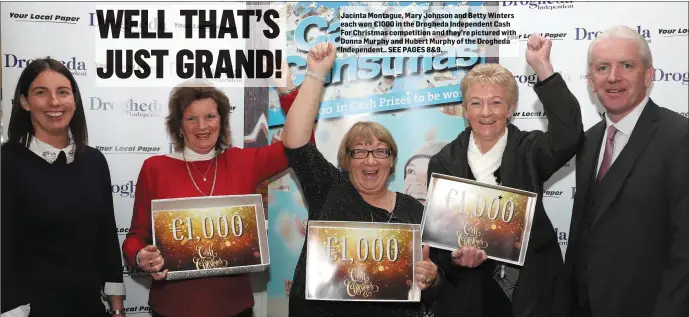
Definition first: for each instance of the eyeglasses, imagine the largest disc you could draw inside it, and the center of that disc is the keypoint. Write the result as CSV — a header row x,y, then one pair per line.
x,y
377,153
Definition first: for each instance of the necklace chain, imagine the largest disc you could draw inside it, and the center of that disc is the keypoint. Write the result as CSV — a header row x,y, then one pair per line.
x,y
215,175
391,212
207,170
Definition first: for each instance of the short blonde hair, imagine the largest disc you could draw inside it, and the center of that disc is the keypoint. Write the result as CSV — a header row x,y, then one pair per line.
x,y
491,74
365,131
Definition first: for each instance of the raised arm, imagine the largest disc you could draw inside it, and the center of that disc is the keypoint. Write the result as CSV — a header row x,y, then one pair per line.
x,y
299,123
554,148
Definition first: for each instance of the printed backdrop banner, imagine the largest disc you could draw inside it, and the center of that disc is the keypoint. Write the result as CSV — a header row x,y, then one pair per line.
x,y
127,138
421,131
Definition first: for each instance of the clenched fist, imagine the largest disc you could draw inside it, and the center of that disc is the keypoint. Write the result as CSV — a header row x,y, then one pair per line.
x,y
538,55
321,58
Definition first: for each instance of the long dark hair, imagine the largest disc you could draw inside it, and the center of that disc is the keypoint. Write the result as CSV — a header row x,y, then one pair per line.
x,y
20,129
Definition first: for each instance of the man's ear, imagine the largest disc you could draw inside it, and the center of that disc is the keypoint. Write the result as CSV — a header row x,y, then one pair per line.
x,y
24,103
650,73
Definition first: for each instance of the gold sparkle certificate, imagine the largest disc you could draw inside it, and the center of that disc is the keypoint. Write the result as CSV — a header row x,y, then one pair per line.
x,y
210,236
461,212
362,261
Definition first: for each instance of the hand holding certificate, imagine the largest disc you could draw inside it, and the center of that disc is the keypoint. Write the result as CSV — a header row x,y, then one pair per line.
x,y
462,213
210,236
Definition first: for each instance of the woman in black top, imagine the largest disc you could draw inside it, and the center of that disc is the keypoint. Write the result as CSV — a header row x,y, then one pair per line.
x,y
60,250
494,152
356,193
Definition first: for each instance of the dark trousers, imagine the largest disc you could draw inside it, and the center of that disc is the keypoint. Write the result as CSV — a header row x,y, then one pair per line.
x,y
247,313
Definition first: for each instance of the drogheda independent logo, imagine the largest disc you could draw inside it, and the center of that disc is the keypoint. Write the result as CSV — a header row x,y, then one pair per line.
x,y
528,80
562,237
541,5
130,106
125,190
670,76
76,66
584,34
49,18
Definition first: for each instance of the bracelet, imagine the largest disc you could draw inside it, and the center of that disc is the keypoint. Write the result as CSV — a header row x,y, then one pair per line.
x,y
314,76
288,92
117,312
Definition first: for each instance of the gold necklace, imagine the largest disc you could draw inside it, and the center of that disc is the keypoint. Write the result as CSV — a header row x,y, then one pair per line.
x,y
207,170
215,175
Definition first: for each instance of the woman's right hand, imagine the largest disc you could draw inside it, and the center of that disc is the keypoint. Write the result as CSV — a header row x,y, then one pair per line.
x,y
321,58
150,260
468,257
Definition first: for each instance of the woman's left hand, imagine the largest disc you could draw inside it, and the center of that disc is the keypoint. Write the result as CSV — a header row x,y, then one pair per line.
x,y
426,272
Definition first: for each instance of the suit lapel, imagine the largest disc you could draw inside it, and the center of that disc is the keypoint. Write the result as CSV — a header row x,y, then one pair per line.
x,y
623,165
586,170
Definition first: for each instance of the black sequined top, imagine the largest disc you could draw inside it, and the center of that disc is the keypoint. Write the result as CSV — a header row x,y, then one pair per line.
x,y
330,196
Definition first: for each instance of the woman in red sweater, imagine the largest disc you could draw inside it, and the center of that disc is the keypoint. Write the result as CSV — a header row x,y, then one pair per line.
x,y
204,164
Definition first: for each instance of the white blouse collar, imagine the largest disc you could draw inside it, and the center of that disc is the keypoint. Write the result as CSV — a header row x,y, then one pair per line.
x,y
192,156
49,152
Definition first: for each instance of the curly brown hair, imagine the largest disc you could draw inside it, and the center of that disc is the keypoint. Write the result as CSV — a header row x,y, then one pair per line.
x,y
181,97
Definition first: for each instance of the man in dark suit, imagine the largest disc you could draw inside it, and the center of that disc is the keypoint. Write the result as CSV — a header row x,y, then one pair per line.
x,y
628,253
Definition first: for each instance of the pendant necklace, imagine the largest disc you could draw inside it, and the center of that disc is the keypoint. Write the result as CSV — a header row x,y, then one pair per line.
x,y
215,175
207,170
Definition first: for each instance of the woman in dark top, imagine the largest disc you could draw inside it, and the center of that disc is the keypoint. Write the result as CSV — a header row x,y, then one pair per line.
x,y
60,250
494,152
358,192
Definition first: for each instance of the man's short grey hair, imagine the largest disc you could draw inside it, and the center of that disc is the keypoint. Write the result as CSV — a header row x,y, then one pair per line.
x,y
625,33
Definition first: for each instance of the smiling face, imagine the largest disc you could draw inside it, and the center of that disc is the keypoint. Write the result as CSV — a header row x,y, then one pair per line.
x,y
487,108
369,171
618,76
201,125
51,102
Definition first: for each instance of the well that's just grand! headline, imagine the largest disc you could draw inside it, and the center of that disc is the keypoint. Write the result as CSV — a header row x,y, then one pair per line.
x,y
247,42
134,46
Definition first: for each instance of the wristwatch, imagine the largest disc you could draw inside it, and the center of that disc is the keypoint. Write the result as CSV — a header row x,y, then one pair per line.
x,y
117,312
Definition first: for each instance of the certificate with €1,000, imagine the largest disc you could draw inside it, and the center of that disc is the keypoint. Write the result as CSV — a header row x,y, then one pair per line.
x,y
461,212
362,261
210,236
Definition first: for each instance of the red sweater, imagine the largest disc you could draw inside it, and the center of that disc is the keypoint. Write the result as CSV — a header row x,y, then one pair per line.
x,y
239,172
